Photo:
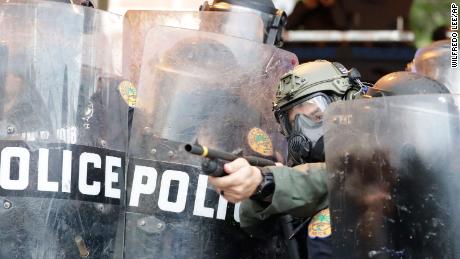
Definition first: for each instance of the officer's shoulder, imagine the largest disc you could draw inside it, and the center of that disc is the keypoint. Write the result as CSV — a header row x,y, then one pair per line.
x,y
310,167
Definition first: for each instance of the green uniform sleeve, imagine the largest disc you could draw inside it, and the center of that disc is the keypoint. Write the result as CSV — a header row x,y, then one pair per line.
x,y
300,191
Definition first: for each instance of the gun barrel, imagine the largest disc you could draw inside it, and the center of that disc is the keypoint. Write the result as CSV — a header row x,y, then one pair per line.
x,y
195,149
258,161
222,155
210,153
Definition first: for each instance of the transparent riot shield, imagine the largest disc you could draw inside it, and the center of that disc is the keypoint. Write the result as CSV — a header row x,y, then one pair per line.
x,y
215,90
434,61
394,177
63,133
138,23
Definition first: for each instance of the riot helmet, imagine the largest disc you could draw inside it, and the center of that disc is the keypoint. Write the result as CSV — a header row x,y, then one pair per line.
x,y
434,62
86,3
274,19
301,100
406,83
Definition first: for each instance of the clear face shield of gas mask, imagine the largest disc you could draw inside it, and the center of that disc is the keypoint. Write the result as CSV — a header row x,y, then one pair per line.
x,y
302,124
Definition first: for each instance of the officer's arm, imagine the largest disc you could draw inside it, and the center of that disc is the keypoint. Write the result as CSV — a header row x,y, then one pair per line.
x,y
300,191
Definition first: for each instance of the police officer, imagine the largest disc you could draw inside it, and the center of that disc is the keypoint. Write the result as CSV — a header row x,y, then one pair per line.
x,y
302,97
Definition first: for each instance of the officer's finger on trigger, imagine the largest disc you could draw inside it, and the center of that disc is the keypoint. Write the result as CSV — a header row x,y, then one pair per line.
x,y
235,165
217,190
214,182
231,198
224,182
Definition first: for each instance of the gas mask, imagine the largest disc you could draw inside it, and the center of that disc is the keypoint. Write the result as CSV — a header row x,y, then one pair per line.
x,y
305,142
302,124
307,91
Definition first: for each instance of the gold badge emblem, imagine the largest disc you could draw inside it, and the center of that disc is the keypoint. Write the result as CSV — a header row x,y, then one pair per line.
x,y
320,225
260,142
128,92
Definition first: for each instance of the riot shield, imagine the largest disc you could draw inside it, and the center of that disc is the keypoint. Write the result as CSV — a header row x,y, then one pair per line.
x,y
215,90
138,23
394,177
434,61
63,133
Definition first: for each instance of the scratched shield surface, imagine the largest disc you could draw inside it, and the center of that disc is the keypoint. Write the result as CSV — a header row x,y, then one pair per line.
x,y
137,23
394,177
63,132
211,89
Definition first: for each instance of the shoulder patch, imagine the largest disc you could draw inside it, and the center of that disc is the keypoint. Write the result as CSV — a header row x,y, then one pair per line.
x,y
320,225
128,92
260,142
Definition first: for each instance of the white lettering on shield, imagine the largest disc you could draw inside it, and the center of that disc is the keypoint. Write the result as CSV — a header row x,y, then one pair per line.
x,y
200,197
141,172
83,186
5,173
111,177
199,209
144,183
181,199
174,185
66,171
20,181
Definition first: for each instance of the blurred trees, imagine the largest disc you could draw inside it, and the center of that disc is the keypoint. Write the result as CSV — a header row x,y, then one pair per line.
x,y
426,16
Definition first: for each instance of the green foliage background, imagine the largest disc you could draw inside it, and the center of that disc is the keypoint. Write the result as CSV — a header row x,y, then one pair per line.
x,y
426,16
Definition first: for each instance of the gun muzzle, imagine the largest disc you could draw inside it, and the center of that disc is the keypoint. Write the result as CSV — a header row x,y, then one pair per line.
x,y
210,153
196,150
